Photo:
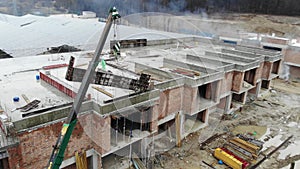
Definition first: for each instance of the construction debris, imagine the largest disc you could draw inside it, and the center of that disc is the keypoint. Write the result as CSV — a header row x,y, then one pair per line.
x,y
61,49
209,165
209,140
4,55
29,106
26,98
137,163
186,72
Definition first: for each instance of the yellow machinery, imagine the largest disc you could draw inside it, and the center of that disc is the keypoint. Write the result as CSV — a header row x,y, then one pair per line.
x,y
228,159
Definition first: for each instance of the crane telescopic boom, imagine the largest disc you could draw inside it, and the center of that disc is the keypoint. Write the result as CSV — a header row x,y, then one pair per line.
x,y
59,148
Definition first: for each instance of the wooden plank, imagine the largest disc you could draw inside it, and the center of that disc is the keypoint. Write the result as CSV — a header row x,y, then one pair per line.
x,y
209,165
178,131
103,91
84,64
29,106
25,98
210,139
196,73
183,73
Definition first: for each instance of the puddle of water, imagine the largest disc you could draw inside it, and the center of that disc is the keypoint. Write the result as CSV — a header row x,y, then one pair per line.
x,y
264,136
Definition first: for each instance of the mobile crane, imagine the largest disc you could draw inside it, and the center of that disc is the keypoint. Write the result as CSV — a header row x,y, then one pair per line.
x,y
59,148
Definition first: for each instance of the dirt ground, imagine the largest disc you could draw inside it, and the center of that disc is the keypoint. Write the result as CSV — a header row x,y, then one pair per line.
x,y
282,26
270,24
276,110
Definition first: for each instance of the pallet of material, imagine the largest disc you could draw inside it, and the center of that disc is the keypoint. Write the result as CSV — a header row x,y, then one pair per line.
x,y
245,145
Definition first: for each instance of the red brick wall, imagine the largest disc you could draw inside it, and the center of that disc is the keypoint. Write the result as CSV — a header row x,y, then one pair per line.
x,y
258,73
190,100
237,82
175,100
292,55
294,72
275,40
222,103
163,105
253,90
101,133
154,121
58,85
266,72
226,85
170,102
35,146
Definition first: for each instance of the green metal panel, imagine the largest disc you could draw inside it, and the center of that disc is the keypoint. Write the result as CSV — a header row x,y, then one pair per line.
x,y
63,146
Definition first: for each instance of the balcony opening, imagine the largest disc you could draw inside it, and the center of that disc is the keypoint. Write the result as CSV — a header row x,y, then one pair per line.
x,y
127,126
275,68
4,163
202,90
195,122
265,84
249,76
238,97
272,48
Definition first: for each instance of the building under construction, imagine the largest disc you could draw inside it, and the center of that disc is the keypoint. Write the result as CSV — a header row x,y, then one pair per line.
x,y
142,101
189,79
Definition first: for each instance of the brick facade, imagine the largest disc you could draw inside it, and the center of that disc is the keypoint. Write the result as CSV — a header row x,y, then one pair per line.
x,y
35,146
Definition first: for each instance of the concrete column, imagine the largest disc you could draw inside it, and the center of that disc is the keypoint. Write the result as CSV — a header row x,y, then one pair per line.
x,y
258,72
154,117
267,69
228,103
280,67
95,161
218,91
205,116
258,88
255,91
244,97
209,91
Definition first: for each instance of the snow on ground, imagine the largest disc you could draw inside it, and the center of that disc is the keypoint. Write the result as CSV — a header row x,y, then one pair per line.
x,y
29,34
290,150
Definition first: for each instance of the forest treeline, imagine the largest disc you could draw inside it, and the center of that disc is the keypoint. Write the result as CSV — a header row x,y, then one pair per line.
x,y
276,7
126,7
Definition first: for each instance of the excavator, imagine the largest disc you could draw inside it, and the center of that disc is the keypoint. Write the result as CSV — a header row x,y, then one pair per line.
x,y
86,77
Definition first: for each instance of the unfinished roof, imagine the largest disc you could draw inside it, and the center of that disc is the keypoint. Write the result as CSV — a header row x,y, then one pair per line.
x,y
210,63
18,78
171,63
